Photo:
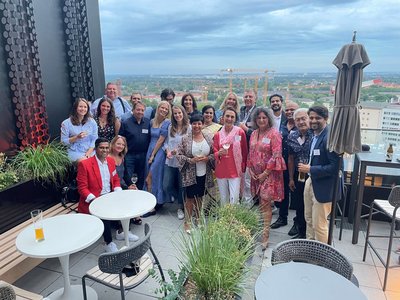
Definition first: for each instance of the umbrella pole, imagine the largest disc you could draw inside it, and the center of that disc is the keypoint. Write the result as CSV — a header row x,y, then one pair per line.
x,y
334,200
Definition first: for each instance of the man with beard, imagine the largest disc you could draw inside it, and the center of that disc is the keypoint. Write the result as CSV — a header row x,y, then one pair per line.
x,y
319,187
276,102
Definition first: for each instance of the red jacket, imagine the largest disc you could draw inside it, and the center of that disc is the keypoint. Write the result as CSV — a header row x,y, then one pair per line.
x,y
89,180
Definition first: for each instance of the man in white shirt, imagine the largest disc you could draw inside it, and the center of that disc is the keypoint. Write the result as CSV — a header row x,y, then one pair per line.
x,y
98,176
121,106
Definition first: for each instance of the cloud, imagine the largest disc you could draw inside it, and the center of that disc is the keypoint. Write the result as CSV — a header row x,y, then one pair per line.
x,y
194,36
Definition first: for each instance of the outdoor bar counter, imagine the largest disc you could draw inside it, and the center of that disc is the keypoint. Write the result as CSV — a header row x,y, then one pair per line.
x,y
376,164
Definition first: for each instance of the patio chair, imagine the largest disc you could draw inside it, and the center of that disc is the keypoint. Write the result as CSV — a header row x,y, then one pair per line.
x,y
112,267
313,252
389,208
6,291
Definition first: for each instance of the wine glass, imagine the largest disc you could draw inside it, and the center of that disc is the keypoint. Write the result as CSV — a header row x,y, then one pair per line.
x,y
226,146
134,178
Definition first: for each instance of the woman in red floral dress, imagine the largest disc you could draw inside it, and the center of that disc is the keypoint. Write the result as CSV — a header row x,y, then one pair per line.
x,y
266,166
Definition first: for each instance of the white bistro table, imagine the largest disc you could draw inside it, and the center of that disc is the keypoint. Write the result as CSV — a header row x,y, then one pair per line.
x,y
123,206
63,235
306,282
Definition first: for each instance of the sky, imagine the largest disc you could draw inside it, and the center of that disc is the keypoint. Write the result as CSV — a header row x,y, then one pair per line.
x,y
205,36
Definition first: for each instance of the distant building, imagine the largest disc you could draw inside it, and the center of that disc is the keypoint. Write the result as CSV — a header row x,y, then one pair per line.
x,y
371,115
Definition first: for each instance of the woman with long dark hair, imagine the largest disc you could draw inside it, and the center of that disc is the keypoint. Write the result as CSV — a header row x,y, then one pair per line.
x,y
189,103
79,131
210,124
107,123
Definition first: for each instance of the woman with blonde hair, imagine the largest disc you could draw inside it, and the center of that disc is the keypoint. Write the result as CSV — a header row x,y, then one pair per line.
x,y
79,131
155,154
231,100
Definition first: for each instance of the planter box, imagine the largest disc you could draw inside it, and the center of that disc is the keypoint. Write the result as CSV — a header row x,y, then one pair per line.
x,y
17,201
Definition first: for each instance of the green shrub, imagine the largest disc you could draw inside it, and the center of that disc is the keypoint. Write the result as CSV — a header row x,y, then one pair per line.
x,y
215,258
45,163
250,218
7,178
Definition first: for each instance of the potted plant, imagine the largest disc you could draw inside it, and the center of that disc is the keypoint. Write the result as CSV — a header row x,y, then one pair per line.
x,y
44,163
8,176
214,256
39,171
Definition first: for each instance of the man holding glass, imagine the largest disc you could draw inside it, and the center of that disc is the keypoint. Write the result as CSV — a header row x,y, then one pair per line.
x,y
298,143
322,170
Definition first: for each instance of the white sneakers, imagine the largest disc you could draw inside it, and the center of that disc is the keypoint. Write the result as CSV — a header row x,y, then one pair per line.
x,y
111,247
181,214
121,236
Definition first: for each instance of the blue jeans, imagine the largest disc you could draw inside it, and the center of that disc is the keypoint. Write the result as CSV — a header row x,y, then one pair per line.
x,y
172,184
135,163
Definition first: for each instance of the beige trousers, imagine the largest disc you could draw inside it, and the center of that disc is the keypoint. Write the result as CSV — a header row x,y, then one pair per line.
x,y
316,215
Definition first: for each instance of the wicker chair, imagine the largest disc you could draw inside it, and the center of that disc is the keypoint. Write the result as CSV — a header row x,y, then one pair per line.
x,y
389,208
111,266
6,291
313,252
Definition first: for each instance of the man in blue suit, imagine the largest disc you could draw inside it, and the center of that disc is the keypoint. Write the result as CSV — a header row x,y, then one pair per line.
x,y
322,168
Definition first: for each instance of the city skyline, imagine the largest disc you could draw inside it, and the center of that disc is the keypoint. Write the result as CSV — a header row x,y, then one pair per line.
x,y
205,36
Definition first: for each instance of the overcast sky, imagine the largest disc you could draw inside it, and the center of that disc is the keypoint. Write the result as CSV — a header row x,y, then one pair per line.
x,y
204,36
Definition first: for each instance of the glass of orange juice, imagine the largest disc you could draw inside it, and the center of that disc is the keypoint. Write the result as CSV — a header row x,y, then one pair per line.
x,y
37,219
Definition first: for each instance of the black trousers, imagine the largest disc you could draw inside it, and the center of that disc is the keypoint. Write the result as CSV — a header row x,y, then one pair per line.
x,y
284,205
298,202
135,163
107,231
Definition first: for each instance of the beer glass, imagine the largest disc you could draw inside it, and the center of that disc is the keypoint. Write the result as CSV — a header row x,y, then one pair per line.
x,y
302,176
37,219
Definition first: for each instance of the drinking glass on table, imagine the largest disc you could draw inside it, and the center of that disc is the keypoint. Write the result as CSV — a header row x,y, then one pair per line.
x,y
302,176
37,219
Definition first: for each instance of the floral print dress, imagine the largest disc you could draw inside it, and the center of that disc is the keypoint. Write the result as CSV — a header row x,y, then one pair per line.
x,y
266,154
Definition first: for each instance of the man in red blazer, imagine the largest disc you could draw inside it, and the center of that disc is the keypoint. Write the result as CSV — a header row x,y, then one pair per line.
x,y
97,176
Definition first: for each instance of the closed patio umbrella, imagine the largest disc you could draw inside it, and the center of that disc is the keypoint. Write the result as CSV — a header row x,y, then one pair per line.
x,y
345,134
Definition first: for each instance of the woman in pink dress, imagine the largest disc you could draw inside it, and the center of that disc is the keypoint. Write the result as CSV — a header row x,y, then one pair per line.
x,y
266,166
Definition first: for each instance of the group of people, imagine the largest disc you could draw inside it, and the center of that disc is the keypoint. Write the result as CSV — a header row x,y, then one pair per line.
x,y
177,152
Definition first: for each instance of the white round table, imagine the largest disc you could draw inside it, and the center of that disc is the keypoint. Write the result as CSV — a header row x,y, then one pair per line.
x,y
304,281
123,206
63,235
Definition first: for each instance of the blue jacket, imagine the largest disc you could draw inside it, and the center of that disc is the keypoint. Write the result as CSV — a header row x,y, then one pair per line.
x,y
323,169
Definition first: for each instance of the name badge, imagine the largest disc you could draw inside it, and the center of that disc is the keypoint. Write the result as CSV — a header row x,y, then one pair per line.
x,y
300,140
238,138
266,140
146,131
316,152
114,172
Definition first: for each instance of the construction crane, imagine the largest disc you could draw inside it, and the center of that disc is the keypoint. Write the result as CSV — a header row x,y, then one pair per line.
x,y
230,71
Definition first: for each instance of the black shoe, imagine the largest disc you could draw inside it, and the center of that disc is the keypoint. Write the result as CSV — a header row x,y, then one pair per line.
x,y
294,230
150,213
279,223
299,236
